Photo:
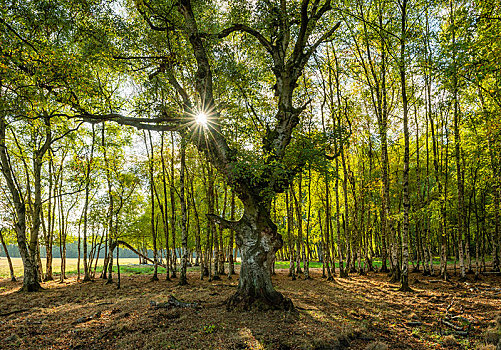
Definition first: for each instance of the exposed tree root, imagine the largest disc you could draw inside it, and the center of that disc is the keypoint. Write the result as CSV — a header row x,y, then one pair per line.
x,y
13,312
172,303
36,287
263,302
405,288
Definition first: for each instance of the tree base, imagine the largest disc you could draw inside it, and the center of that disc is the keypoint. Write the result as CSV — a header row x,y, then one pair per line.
x,y
343,274
405,288
384,269
29,288
395,276
262,302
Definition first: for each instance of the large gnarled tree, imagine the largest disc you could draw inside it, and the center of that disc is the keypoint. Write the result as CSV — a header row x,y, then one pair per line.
x,y
289,42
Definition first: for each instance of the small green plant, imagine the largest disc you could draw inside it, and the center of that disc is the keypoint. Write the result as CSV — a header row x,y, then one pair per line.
x,y
209,329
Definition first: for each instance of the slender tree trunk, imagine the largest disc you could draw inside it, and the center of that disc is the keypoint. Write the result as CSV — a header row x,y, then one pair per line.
x,y
118,266
184,217
299,214
327,229
165,211
220,255
443,258
290,235
457,145
152,201
214,250
31,278
173,209
79,251
496,233
231,264
49,232
86,208
11,269
405,232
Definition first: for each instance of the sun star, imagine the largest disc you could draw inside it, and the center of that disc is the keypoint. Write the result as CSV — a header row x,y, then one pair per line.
x,y
201,119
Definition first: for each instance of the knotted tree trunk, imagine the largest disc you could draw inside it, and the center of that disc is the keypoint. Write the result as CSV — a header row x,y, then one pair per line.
x,y
258,240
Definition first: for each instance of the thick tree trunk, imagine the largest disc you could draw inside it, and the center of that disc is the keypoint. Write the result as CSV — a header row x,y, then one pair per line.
x,y
258,241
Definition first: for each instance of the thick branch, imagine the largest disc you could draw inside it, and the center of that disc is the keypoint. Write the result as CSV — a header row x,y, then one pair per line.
x,y
245,29
223,222
139,123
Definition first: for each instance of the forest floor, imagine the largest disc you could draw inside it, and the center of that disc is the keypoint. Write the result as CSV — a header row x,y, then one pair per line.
x,y
344,314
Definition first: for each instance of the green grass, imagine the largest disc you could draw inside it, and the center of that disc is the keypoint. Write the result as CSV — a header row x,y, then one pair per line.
x,y
285,265
134,269
375,263
129,266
